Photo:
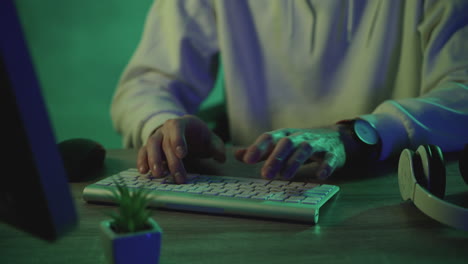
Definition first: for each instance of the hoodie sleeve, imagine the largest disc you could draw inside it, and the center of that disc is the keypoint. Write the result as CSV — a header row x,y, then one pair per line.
x,y
440,114
170,72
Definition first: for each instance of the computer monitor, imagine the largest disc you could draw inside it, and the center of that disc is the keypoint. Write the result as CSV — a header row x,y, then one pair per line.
x,y
34,192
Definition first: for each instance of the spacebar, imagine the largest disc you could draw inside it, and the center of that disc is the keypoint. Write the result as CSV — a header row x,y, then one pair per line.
x,y
234,206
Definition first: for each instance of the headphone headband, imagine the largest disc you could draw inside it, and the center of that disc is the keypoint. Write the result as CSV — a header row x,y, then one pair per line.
x,y
440,210
413,189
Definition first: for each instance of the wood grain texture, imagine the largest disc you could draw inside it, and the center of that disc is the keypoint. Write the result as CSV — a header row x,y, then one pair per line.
x,y
366,223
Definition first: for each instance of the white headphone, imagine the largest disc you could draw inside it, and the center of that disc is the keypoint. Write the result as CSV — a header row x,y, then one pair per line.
x,y
421,177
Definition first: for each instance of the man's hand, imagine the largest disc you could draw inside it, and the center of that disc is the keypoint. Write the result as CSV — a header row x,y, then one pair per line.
x,y
173,141
285,150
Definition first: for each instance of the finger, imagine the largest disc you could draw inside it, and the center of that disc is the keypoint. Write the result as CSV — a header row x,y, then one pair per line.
x,y
239,154
277,158
142,160
260,150
176,168
217,149
154,154
177,137
165,169
300,155
328,165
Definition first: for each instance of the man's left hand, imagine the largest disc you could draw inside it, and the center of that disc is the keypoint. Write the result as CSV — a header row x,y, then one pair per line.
x,y
285,150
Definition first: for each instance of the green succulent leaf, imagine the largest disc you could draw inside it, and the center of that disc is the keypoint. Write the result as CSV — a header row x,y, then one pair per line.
x,y
132,213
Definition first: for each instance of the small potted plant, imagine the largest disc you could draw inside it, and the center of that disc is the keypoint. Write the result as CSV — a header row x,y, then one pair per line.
x,y
131,235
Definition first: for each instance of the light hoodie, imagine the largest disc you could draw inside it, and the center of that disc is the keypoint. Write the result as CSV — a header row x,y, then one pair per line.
x,y
402,65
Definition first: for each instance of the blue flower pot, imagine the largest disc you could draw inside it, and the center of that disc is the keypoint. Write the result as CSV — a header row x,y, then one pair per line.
x,y
129,248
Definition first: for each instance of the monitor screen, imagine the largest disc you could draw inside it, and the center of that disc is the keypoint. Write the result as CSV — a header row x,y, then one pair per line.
x,y
34,192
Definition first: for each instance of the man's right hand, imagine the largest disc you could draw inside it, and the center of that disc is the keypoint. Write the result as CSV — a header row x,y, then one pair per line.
x,y
174,140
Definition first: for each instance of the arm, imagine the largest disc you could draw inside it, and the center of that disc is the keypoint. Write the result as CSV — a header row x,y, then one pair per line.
x,y
440,114
437,115
170,72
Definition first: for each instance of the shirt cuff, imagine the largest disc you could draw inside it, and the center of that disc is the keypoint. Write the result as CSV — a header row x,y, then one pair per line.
x,y
392,133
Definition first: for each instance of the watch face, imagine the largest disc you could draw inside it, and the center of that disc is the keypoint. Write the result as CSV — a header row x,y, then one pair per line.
x,y
365,132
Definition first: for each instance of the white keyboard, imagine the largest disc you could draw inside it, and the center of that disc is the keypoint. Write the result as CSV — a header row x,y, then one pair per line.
x,y
251,197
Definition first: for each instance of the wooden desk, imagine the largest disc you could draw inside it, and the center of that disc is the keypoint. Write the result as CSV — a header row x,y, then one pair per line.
x,y
366,223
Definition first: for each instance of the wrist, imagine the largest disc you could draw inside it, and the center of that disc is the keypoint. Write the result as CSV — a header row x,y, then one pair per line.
x,y
361,141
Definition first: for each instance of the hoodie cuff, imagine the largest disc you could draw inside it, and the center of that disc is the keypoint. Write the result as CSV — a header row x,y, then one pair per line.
x,y
392,133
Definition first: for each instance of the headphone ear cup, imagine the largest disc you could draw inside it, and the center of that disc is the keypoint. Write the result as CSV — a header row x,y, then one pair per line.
x,y
406,177
463,164
432,169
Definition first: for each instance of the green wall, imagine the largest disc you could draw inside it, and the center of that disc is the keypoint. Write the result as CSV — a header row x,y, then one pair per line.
x,y
80,48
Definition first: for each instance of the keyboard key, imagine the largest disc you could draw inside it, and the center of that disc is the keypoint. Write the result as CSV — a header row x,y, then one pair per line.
x,y
244,195
278,197
257,181
232,185
204,188
261,196
299,198
293,199
310,185
214,185
103,183
164,188
195,191
210,193
296,184
277,183
312,200
228,194
129,173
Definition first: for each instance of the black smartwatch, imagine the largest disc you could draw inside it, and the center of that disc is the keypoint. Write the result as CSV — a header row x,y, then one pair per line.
x,y
367,138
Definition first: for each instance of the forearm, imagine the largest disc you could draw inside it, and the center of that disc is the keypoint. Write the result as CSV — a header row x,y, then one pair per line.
x,y
439,117
170,72
140,105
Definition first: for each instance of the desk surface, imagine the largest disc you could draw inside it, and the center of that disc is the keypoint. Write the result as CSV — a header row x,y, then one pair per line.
x,y
366,223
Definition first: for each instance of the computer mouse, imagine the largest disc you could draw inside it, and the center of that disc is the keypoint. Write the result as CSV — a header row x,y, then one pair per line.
x,y
82,158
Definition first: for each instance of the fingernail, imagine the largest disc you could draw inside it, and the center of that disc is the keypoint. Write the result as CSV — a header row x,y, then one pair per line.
x,y
154,171
180,151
